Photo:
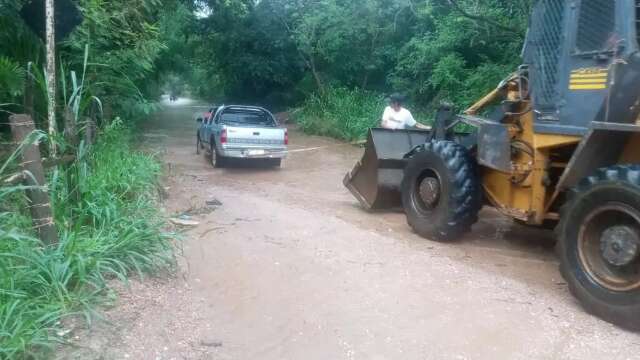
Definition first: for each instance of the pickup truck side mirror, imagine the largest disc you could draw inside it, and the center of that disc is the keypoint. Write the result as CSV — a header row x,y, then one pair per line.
x,y
199,120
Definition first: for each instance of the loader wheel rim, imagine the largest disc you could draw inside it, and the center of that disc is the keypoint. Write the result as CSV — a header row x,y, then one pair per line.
x,y
609,247
429,191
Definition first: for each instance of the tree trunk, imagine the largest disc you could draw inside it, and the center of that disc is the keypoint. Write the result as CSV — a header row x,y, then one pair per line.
x,y
89,131
365,80
28,92
51,69
90,125
70,128
107,113
316,75
367,71
71,135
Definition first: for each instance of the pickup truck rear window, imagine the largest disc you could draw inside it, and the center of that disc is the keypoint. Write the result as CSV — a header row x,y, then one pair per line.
x,y
247,118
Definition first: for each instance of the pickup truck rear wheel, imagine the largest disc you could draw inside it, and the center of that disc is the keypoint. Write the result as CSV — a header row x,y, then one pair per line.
x,y
217,161
275,162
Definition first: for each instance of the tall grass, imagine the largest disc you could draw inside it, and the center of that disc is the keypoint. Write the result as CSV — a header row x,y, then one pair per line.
x,y
341,113
109,228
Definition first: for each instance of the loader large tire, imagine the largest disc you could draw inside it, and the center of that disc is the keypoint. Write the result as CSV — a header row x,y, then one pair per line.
x,y
599,244
440,191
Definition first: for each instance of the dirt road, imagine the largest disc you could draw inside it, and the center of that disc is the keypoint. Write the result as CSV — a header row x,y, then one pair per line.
x,y
289,267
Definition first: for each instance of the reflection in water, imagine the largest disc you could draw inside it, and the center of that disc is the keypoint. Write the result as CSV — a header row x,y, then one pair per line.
x,y
180,101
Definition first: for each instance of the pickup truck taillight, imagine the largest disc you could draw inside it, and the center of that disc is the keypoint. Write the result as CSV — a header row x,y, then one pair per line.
x,y
286,137
223,136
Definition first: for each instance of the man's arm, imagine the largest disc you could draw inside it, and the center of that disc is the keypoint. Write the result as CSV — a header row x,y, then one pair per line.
x,y
413,123
386,116
423,127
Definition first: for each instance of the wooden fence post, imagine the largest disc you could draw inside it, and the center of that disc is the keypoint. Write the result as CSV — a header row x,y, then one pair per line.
x,y
40,206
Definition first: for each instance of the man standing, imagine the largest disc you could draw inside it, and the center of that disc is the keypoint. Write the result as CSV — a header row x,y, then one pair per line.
x,y
396,117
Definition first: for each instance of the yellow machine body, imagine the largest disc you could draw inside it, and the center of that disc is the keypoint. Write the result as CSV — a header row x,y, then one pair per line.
x,y
528,192
558,141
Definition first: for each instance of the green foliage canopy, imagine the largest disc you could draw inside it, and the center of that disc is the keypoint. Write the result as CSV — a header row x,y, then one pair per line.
x,y
430,49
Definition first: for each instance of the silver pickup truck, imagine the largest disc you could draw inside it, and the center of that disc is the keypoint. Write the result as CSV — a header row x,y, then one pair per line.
x,y
242,132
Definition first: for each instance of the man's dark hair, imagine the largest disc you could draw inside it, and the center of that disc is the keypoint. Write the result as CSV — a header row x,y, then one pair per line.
x,y
397,98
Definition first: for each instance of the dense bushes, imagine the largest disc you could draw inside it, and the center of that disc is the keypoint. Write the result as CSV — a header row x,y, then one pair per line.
x,y
104,204
346,114
430,50
341,113
284,53
109,228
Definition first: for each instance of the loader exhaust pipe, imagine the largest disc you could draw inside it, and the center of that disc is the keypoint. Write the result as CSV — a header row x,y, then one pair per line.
x,y
376,179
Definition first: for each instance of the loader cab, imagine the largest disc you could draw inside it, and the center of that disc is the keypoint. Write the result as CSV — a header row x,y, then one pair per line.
x,y
570,50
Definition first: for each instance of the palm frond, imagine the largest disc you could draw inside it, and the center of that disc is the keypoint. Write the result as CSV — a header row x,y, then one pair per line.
x,y
12,78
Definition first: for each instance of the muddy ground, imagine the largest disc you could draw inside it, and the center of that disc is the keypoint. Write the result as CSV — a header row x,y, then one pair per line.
x,y
290,267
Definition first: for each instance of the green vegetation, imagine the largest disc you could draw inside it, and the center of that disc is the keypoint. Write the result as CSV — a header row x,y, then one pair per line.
x,y
105,202
113,229
340,113
287,53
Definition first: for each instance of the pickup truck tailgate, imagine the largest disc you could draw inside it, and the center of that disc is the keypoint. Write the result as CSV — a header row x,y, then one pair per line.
x,y
255,136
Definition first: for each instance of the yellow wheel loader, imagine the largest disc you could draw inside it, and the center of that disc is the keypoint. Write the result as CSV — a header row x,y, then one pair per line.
x,y
557,142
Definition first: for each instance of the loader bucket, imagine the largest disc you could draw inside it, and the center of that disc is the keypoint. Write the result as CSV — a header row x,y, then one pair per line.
x,y
375,180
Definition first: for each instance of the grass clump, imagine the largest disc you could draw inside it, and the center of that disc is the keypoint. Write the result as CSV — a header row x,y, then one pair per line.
x,y
106,213
341,113
347,114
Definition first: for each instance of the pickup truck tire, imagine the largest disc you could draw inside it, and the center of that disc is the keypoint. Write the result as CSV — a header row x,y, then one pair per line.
x,y
276,163
217,161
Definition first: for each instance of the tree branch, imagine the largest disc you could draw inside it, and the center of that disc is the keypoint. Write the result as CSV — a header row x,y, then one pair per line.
x,y
458,8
